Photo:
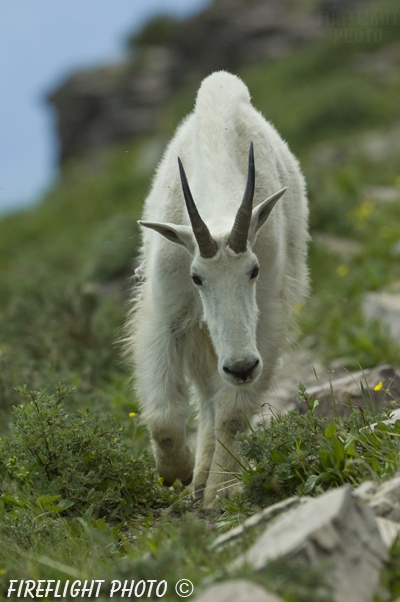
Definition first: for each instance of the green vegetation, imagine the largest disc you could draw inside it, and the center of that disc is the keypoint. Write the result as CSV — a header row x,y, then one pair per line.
x,y
79,494
158,31
64,283
302,454
77,461
390,578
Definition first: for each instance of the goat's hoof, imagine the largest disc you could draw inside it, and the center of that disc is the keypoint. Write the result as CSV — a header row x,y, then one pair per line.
x,y
199,492
186,482
210,512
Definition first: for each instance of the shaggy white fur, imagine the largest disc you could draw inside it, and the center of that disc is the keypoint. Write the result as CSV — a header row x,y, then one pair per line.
x,y
183,334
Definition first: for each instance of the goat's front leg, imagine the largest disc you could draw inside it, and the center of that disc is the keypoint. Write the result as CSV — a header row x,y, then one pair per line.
x,y
163,394
205,449
174,458
222,481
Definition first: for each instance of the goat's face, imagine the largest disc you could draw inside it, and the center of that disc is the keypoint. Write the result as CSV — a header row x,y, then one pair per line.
x,y
225,274
226,284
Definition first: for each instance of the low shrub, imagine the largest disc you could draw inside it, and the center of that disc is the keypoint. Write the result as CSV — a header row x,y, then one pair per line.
x,y
53,462
299,454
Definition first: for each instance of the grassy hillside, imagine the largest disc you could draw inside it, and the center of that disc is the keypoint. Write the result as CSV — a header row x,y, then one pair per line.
x,y
64,282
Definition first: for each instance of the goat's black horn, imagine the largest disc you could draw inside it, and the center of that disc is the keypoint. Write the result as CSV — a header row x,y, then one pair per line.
x,y
238,236
207,245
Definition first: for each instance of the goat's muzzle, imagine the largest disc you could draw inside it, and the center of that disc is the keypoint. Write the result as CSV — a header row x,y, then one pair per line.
x,y
242,372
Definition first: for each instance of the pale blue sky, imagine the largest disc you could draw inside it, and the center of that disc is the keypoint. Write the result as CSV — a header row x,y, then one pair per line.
x,y
41,42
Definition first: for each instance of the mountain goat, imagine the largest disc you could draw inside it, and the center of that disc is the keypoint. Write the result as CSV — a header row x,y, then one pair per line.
x,y
220,275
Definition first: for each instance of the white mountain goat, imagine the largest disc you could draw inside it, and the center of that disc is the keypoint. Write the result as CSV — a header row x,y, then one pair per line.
x,y
220,275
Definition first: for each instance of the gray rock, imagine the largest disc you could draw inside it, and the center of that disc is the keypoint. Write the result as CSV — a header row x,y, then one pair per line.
x,y
366,491
386,501
388,529
380,144
383,194
384,307
345,248
237,590
335,527
395,415
395,250
302,365
258,519
348,388
106,106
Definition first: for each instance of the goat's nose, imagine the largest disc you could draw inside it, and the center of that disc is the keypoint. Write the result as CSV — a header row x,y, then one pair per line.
x,y
241,370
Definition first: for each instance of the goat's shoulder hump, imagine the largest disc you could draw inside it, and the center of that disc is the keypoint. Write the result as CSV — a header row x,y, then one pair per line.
x,y
222,84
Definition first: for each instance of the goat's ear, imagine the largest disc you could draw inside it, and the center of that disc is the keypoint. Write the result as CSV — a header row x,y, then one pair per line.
x,y
261,213
181,235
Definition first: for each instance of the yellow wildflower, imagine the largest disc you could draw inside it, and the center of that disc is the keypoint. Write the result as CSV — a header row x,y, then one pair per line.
x,y
378,386
342,270
362,213
132,414
160,480
365,209
2,571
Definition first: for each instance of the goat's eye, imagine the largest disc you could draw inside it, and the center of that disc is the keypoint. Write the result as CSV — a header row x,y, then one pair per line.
x,y
197,280
254,272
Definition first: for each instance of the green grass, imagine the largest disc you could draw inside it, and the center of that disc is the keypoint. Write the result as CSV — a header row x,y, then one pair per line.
x,y
64,281
59,310
304,454
339,206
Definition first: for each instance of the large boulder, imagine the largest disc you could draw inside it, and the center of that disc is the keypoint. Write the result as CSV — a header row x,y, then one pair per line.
x,y
335,529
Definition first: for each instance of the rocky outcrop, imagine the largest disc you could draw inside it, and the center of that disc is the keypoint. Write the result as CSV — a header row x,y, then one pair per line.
x,y
335,529
231,33
386,500
332,387
378,387
348,532
109,105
